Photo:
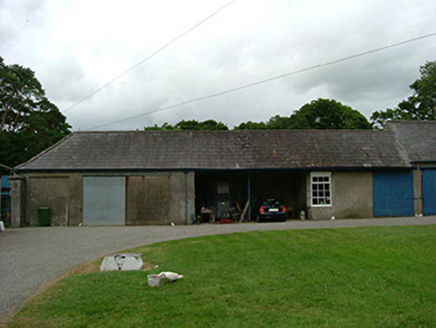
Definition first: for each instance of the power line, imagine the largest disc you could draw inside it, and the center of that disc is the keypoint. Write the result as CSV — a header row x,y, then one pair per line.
x,y
151,56
246,86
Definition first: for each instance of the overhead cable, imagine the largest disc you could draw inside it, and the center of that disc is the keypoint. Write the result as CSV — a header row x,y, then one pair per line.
x,y
150,56
246,86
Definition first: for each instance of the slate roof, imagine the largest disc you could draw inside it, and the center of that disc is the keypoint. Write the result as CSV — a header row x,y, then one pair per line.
x,y
418,138
255,149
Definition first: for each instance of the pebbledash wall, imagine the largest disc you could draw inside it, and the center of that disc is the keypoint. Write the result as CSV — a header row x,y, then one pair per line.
x,y
148,197
352,197
159,198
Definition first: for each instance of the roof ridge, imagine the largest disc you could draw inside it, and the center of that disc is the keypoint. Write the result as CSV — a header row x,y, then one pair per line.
x,y
234,131
412,122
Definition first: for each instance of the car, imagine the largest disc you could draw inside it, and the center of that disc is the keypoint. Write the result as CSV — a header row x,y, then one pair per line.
x,y
272,210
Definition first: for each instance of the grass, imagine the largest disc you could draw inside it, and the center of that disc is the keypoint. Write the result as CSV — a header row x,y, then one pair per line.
x,y
360,277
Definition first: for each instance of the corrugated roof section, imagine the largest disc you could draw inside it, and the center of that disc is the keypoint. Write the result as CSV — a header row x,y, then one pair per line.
x,y
264,149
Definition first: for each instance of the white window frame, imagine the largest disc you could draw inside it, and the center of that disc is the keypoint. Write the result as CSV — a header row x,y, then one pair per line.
x,y
321,189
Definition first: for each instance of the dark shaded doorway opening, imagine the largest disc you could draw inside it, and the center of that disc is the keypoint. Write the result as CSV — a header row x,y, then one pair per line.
x,y
219,195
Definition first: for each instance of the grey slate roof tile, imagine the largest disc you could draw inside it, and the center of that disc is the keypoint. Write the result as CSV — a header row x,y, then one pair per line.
x,y
418,138
256,149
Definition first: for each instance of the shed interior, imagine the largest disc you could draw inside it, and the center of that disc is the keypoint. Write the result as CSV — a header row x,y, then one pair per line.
x,y
223,195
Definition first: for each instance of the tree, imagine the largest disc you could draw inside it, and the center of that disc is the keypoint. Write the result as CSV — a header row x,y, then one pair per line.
x,y
279,123
164,127
328,114
251,126
29,122
205,125
420,106
400,113
210,125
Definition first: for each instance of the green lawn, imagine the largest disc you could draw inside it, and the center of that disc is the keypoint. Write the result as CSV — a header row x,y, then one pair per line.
x,y
360,277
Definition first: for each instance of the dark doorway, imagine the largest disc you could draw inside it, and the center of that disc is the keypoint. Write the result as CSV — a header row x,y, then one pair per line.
x,y
227,191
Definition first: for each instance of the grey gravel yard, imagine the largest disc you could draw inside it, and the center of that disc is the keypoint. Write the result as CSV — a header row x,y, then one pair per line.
x,y
30,258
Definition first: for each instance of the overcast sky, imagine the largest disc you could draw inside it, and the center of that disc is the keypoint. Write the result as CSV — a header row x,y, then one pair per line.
x,y
78,46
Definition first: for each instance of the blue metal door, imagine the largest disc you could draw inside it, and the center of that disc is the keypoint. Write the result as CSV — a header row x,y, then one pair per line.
x,y
393,193
429,191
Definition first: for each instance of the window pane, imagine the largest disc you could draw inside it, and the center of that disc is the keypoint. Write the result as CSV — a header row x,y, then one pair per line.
x,y
321,190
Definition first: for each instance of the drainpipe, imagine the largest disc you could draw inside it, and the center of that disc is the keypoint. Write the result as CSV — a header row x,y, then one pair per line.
x,y
186,197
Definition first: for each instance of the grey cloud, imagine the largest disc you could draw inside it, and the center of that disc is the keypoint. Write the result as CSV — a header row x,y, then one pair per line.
x,y
65,80
231,50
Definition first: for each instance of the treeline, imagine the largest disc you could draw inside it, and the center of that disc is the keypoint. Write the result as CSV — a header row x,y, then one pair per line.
x,y
319,114
330,114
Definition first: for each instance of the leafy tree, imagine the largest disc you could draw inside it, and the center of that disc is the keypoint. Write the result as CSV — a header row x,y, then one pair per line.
x,y
164,127
29,122
279,123
191,125
205,125
400,113
420,106
251,126
327,114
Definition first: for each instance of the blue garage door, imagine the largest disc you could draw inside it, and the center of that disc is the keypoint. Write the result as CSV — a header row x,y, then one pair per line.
x,y
429,191
393,194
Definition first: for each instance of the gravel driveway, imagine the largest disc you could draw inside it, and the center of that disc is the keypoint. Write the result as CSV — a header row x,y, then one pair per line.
x,y
30,258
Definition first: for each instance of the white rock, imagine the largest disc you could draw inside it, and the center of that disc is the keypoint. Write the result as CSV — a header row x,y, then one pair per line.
x,y
131,263
122,262
109,264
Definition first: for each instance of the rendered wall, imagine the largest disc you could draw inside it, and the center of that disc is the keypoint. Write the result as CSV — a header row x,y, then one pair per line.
x,y
18,201
152,198
52,192
61,192
75,214
159,198
147,198
182,205
352,197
